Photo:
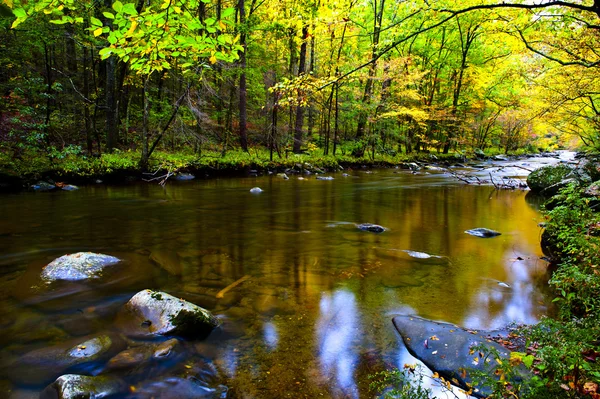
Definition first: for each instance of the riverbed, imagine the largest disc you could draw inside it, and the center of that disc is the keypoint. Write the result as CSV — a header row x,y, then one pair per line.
x,y
312,316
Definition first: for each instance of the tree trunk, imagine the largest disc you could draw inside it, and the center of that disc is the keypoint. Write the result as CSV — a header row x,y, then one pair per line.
x,y
298,133
362,117
145,129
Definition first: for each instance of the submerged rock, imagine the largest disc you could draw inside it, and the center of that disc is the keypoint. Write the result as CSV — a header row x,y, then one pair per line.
x,y
139,356
78,266
180,388
283,176
324,178
256,190
184,177
43,186
151,313
69,187
373,228
168,260
45,364
483,232
451,351
73,386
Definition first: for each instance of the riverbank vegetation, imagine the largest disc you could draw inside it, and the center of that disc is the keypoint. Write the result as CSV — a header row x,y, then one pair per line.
x,y
384,79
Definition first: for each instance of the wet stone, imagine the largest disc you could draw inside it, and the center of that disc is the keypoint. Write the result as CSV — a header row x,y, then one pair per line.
x,y
45,364
184,177
180,388
448,350
373,228
78,266
151,313
73,386
483,232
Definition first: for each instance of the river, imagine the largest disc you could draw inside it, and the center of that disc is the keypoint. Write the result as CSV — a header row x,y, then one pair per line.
x,y
313,316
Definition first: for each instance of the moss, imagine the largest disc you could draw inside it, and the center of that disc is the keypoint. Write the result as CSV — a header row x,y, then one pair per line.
x,y
547,176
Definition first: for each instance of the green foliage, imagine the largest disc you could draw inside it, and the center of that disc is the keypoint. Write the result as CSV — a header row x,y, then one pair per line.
x,y
401,384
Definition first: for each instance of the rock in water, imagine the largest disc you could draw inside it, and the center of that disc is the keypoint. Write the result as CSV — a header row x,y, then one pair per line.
x,y
448,350
256,190
73,386
45,364
184,177
373,228
79,266
324,178
157,313
483,232
43,186
283,176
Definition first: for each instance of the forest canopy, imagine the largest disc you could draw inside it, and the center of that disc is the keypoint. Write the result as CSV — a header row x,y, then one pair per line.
x,y
350,77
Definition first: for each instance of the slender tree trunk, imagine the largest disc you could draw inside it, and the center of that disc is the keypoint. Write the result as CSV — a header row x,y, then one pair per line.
x,y
298,132
111,104
145,128
86,107
243,103
363,115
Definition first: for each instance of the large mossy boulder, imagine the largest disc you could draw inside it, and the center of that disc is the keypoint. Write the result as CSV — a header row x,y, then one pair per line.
x,y
151,313
73,386
451,351
78,266
548,180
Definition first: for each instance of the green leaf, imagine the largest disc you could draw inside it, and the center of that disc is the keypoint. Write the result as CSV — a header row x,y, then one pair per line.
x,y
108,15
129,8
20,13
95,21
117,6
105,52
112,39
210,21
227,12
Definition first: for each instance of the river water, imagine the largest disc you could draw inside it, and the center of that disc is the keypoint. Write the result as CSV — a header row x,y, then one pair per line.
x,y
313,316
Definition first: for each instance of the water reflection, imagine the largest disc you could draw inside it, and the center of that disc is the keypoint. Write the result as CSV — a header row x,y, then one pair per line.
x,y
516,299
338,331
270,334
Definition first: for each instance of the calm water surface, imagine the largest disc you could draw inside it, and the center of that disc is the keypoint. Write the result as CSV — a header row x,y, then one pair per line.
x,y
314,317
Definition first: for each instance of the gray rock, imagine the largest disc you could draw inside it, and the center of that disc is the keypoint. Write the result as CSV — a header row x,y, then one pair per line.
x,y
483,232
69,187
479,153
324,178
373,228
168,260
45,364
256,190
73,386
43,186
78,266
593,190
138,357
544,177
501,158
184,177
283,176
151,313
180,388
434,168
449,350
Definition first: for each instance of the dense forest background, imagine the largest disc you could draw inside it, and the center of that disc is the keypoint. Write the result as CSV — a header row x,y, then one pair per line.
x,y
347,77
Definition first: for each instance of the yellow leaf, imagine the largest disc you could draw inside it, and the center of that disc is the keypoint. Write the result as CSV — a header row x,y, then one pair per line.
x,y
177,9
134,25
212,59
222,25
98,32
9,3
